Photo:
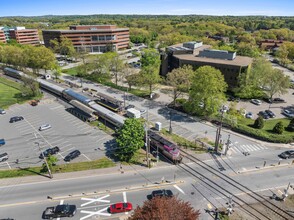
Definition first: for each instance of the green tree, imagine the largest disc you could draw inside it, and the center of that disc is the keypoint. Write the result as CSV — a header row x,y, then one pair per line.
x,y
282,54
207,91
290,127
51,161
163,208
180,81
130,139
150,68
259,123
276,83
31,84
279,128
116,65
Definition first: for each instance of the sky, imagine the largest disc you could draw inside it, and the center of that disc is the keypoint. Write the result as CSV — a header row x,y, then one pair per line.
x,y
151,7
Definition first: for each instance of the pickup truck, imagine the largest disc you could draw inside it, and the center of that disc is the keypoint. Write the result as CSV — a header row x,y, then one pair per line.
x,y
60,211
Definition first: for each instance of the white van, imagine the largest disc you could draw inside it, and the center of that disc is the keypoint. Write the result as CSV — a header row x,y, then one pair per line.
x,y
133,113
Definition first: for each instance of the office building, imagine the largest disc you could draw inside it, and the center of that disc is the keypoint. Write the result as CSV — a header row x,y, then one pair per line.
x,y
92,38
196,54
20,34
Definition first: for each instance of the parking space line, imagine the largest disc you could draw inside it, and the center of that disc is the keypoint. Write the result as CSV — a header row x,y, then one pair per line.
x,y
125,199
87,157
178,188
67,150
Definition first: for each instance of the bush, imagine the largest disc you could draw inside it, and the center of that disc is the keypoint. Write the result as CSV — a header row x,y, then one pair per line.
x,y
290,127
279,128
259,123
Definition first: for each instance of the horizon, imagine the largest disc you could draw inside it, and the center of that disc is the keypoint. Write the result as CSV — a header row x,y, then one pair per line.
x,y
36,8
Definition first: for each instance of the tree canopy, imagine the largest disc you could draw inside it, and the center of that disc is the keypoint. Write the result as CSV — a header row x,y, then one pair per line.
x,y
207,91
130,139
164,208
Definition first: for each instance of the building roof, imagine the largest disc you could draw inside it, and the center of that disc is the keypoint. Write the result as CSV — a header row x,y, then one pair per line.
x,y
89,31
238,61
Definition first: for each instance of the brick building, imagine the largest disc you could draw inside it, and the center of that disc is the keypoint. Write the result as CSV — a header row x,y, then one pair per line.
x,y
2,37
20,34
196,54
91,38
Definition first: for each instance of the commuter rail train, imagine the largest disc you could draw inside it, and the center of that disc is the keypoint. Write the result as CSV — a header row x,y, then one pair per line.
x,y
109,102
167,148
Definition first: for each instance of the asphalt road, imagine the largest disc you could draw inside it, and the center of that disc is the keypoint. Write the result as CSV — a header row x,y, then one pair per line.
x,y
203,187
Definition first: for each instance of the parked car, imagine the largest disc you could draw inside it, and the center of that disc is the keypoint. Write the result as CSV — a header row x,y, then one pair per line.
x,y
51,151
233,99
162,193
121,207
270,113
256,101
287,154
58,211
2,142
263,114
44,127
3,157
278,100
288,113
72,155
15,119
2,112
249,115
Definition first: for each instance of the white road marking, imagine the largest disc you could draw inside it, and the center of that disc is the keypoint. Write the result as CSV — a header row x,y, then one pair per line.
x,y
61,203
94,213
91,200
178,188
8,165
125,199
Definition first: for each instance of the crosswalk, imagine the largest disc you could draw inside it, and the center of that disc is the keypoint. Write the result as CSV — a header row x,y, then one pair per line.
x,y
247,148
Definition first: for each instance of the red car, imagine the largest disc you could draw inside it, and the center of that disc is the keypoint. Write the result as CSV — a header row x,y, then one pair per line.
x,y
121,207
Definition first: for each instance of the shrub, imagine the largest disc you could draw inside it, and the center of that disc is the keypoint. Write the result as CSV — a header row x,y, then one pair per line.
x,y
290,127
279,128
259,123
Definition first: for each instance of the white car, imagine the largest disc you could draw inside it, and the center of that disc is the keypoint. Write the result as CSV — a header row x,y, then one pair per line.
x,y
288,113
256,101
44,127
249,115
2,112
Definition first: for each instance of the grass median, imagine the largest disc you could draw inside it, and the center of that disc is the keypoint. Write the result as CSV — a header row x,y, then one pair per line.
x,y
63,168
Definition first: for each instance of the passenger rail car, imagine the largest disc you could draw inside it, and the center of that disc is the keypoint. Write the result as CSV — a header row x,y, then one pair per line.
x,y
13,73
167,148
109,102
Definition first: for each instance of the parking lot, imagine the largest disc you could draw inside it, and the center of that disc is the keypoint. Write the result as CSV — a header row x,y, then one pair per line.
x,y
24,141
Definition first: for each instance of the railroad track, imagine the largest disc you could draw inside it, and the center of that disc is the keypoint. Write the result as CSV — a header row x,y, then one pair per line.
x,y
261,212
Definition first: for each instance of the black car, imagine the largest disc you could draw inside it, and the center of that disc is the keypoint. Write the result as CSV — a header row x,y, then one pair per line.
x,y
129,106
72,155
287,154
263,114
15,119
278,100
270,113
162,193
51,151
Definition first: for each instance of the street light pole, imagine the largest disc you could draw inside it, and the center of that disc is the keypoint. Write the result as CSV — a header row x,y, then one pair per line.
x,y
44,158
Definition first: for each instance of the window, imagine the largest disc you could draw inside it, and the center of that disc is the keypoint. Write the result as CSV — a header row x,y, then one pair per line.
x,y
94,38
102,38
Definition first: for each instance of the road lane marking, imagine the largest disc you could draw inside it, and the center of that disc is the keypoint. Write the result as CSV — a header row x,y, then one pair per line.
x,y
17,204
178,188
91,200
94,213
125,199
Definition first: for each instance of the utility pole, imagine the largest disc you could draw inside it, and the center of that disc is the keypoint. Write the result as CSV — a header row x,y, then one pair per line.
x,y
147,142
227,144
285,195
45,160
218,131
170,126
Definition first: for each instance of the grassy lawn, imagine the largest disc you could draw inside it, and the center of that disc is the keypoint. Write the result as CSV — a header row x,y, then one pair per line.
x,y
9,93
64,168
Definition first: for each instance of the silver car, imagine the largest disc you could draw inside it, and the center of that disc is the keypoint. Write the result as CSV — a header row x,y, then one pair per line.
x,y
44,127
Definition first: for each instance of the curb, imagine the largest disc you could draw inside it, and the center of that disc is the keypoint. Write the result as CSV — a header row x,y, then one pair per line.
x,y
259,168
144,186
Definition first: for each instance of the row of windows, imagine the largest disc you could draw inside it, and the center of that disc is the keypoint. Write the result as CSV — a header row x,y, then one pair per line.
x,y
103,37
